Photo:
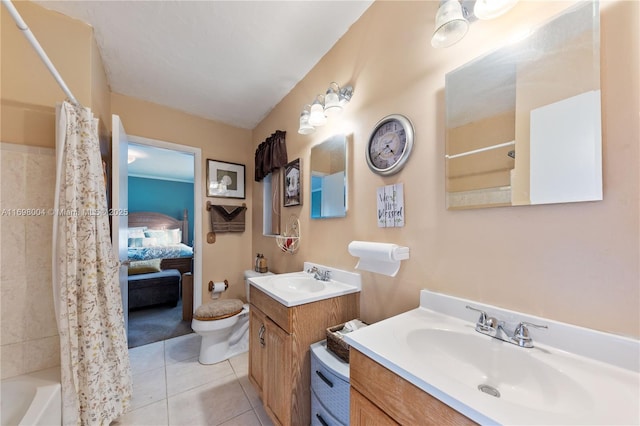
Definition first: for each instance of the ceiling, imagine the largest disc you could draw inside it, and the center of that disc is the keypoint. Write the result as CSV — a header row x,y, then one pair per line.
x,y
229,61
159,163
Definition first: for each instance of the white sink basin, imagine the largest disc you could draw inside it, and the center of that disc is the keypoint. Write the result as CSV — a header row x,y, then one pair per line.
x,y
304,284
572,375
297,288
500,370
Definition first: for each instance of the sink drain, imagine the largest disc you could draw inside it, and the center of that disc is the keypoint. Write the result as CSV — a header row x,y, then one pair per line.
x,y
489,390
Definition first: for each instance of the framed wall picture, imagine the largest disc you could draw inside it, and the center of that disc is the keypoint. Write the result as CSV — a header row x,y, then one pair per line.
x,y
225,179
292,184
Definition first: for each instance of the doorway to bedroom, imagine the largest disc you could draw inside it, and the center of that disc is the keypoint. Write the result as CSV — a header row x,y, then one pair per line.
x,y
161,199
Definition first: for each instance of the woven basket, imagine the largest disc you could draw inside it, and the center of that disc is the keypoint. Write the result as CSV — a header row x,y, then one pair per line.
x,y
335,343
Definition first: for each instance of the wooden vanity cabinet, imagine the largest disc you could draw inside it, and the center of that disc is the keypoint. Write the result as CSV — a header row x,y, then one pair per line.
x,y
381,397
279,355
257,347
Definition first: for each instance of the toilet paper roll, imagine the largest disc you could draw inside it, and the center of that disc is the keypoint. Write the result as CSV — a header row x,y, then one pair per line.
x,y
216,288
219,287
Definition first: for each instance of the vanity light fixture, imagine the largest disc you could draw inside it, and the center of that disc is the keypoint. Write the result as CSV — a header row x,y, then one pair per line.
x,y
451,24
323,106
490,9
332,100
336,98
305,127
454,17
317,117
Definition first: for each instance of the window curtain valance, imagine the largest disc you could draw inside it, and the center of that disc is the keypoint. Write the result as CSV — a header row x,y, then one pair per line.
x,y
271,155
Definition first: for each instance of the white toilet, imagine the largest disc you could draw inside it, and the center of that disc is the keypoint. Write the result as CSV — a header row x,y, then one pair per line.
x,y
224,326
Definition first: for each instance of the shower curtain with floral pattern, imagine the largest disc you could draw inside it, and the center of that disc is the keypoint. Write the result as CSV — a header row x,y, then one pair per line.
x,y
95,370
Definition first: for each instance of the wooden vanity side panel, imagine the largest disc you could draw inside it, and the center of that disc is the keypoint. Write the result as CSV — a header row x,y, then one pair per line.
x,y
364,413
310,323
401,400
272,308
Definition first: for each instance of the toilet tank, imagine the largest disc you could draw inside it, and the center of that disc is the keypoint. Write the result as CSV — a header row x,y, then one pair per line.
x,y
250,273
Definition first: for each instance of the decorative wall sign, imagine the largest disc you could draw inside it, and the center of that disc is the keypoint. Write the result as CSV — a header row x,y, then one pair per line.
x,y
390,210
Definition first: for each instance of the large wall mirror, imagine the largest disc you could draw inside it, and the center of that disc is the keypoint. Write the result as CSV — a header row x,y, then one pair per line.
x,y
523,123
329,178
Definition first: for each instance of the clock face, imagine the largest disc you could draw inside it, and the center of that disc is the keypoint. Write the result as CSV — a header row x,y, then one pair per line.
x,y
390,145
387,144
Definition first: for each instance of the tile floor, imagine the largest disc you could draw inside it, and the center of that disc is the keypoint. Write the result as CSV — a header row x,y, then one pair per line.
x,y
170,387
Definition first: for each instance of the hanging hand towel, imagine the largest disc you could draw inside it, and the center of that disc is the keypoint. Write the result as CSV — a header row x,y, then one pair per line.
x,y
227,218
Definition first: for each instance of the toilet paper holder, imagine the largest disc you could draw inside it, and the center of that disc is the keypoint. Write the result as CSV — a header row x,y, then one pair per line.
x,y
211,285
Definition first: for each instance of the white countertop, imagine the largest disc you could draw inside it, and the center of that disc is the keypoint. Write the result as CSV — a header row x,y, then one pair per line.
x,y
341,283
442,354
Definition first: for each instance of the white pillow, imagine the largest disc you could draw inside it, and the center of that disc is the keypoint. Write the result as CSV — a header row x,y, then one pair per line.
x,y
137,231
149,242
159,234
174,236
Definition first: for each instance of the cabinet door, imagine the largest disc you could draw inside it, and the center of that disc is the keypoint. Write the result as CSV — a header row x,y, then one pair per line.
x,y
278,376
365,413
257,348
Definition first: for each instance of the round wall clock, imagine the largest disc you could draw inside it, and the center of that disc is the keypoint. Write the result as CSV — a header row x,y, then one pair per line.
x,y
390,145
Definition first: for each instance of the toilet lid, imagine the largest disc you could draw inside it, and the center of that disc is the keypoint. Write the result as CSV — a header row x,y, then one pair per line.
x,y
218,309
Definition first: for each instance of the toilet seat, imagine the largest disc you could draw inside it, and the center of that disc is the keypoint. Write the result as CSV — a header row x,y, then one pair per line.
x,y
218,309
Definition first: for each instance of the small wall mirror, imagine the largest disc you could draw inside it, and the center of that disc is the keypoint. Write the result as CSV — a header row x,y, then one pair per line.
x,y
329,178
523,123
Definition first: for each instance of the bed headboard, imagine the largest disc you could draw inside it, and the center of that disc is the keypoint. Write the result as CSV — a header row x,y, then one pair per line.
x,y
153,220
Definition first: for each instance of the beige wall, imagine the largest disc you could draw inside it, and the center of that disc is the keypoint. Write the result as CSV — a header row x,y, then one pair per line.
x,y
576,263
231,254
28,92
100,92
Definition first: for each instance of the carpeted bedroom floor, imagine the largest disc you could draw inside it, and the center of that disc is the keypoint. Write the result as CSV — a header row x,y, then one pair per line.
x,y
149,325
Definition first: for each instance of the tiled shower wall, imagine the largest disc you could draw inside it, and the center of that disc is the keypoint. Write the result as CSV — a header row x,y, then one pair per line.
x,y
28,331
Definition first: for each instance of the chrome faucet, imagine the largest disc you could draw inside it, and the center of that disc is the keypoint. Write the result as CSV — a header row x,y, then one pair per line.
x,y
320,274
494,328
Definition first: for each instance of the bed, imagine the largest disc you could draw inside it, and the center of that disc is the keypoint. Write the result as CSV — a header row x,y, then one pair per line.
x,y
159,254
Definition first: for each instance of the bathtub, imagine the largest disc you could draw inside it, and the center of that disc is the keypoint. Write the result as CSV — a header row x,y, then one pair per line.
x,y
32,399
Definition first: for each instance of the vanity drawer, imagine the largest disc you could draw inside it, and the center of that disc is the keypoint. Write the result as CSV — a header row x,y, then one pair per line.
x,y
320,416
331,389
399,399
275,310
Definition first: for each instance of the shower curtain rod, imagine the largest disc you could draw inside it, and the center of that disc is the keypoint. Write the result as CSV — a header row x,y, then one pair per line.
x,y
22,26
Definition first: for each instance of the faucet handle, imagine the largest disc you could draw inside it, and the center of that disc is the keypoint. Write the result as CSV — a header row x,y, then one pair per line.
x,y
485,322
521,334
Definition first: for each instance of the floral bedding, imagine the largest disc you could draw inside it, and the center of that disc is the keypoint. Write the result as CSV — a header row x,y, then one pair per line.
x,y
160,252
